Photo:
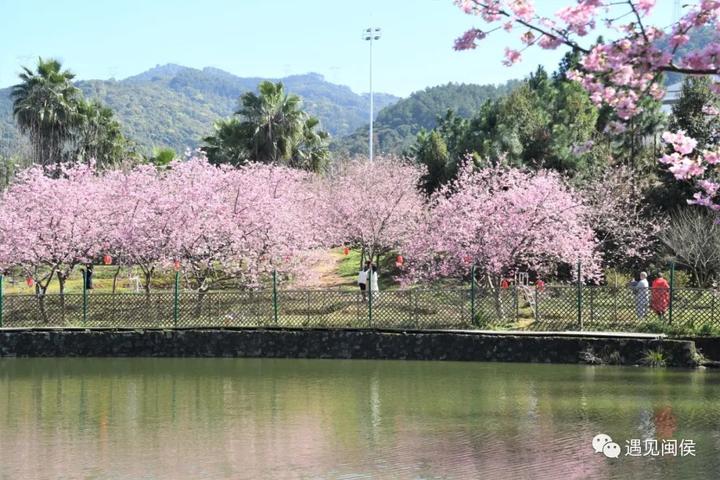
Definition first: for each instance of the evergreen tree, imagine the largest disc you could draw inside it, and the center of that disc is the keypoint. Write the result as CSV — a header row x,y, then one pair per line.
x,y
270,128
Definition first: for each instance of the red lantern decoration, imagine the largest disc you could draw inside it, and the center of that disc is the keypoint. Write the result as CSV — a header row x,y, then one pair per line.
x,y
176,265
107,259
399,261
504,284
467,259
30,282
540,285
346,250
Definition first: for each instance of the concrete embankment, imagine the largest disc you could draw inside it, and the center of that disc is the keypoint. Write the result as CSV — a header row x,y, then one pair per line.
x,y
464,345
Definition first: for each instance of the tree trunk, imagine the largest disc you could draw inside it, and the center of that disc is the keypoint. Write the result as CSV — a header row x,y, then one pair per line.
x,y
147,274
200,298
117,272
61,281
40,295
497,297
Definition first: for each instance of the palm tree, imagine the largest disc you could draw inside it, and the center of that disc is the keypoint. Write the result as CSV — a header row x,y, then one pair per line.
x,y
45,108
271,128
312,152
97,135
275,122
229,143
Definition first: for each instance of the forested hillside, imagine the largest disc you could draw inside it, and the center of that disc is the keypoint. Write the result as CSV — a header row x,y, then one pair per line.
x,y
175,106
397,124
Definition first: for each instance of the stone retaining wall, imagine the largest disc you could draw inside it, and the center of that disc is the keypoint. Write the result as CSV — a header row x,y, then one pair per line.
x,y
709,347
338,343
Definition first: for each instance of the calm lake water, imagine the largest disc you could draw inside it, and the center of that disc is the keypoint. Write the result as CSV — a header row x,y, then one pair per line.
x,y
330,419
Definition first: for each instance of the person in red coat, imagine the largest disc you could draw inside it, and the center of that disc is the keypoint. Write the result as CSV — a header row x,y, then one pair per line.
x,y
660,295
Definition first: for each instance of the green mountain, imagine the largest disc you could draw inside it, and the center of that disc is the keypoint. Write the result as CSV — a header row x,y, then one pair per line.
x,y
397,125
175,106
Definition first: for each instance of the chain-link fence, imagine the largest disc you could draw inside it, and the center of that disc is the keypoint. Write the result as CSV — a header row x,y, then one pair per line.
x,y
401,309
546,308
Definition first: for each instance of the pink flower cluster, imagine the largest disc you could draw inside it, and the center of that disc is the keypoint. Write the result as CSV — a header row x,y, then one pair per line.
x,y
374,206
621,71
217,222
502,219
686,163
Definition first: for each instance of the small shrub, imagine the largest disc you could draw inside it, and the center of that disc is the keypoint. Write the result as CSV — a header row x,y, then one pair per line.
x,y
681,278
654,358
614,277
706,330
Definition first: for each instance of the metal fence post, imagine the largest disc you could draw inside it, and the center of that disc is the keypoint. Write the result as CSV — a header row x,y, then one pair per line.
x,y
84,311
712,305
615,295
307,303
579,295
410,309
370,297
517,302
275,299
1,300
176,300
672,291
472,295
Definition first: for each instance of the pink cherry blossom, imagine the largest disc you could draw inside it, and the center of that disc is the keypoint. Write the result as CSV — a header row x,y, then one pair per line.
x,y
503,219
511,57
686,169
680,142
467,41
711,158
373,205
221,223
631,63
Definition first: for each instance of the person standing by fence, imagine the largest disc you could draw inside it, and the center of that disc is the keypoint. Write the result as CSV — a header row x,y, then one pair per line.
x,y
363,279
374,288
660,295
640,289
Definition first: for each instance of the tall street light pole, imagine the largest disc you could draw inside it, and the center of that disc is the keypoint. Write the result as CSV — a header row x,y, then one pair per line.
x,y
371,34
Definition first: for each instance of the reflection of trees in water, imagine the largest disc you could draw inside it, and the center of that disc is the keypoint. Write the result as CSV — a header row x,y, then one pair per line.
x,y
189,418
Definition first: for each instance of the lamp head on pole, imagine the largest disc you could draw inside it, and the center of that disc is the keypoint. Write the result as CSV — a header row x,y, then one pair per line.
x,y
371,34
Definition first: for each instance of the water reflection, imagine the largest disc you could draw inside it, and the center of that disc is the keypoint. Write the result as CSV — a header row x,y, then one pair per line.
x,y
247,418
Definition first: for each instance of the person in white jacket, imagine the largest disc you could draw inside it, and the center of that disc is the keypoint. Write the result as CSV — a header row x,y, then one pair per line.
x,y
641,289
374,280
362,279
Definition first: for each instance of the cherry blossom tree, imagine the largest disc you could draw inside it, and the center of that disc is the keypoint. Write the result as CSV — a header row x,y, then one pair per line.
x,y
624,226
48,226
240,224
138,213
502,220
373,205
619,71
220,223
624,69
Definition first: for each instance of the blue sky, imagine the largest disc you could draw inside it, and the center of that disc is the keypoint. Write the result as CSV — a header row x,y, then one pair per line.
x,y
120,38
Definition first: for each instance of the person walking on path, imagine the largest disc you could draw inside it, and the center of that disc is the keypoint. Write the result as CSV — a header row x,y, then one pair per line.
x,y
640,288
660,295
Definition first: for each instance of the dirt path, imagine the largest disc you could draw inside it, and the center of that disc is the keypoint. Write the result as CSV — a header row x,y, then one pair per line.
x,y
324,272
